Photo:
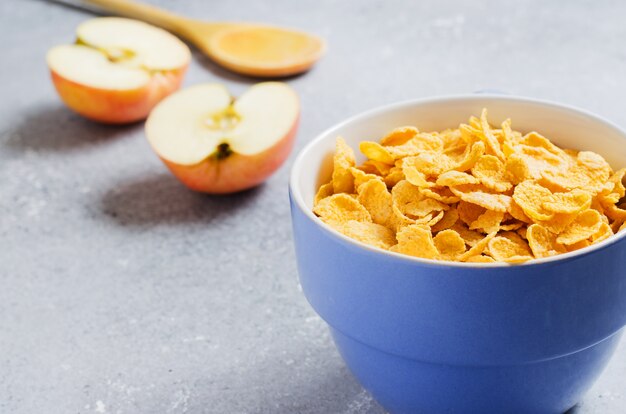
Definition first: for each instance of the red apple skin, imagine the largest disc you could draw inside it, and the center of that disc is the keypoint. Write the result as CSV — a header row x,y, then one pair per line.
x,y
235,172
111,106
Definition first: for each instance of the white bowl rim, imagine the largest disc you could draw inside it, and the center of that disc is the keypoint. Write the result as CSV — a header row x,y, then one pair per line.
x,y
297,195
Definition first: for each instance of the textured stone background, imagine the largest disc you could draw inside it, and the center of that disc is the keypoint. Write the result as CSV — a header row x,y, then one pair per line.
x,y
122,292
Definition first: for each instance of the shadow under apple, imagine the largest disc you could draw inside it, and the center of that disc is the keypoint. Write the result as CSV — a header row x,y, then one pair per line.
x,y
161,199
57,129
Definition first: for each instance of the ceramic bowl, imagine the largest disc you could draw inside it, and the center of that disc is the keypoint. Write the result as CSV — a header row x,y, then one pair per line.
x,y
432,337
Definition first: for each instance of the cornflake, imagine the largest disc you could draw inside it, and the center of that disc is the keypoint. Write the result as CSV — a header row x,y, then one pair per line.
x,y
476,194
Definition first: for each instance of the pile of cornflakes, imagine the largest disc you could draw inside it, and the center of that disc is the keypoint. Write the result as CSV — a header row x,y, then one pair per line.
x,y
472,194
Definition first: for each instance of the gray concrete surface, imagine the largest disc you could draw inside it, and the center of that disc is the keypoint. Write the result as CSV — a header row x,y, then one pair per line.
x,y
122,292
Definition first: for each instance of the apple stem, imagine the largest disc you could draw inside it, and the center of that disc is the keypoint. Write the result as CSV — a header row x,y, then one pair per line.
x,y
223,151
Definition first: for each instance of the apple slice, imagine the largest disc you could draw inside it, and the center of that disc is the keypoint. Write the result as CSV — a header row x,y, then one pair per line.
x,y
215,144
118,70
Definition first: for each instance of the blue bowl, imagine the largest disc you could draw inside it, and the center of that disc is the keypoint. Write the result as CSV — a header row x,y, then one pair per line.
x,y
428,336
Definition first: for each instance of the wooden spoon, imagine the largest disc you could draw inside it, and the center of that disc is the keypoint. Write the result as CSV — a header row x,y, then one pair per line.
x,y
249,49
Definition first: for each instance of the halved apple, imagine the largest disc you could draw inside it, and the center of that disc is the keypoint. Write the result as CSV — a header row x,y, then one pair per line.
x,y
118,70
216,144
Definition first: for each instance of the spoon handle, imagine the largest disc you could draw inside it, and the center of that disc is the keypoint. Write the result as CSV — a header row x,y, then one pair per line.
x,y
136,10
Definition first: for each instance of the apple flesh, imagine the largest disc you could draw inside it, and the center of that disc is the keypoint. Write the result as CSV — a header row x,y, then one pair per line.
x,y
215,144
118,70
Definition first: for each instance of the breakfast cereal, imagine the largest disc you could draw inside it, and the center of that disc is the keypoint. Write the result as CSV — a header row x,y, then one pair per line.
x,y
477,194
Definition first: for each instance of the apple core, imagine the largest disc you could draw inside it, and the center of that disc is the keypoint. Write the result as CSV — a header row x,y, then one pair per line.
x,y
225,120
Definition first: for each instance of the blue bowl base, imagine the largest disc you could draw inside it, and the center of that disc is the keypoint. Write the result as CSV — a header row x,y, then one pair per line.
x,y
404,385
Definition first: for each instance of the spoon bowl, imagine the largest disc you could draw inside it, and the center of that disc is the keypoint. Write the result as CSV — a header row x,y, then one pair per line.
x,y
258,50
